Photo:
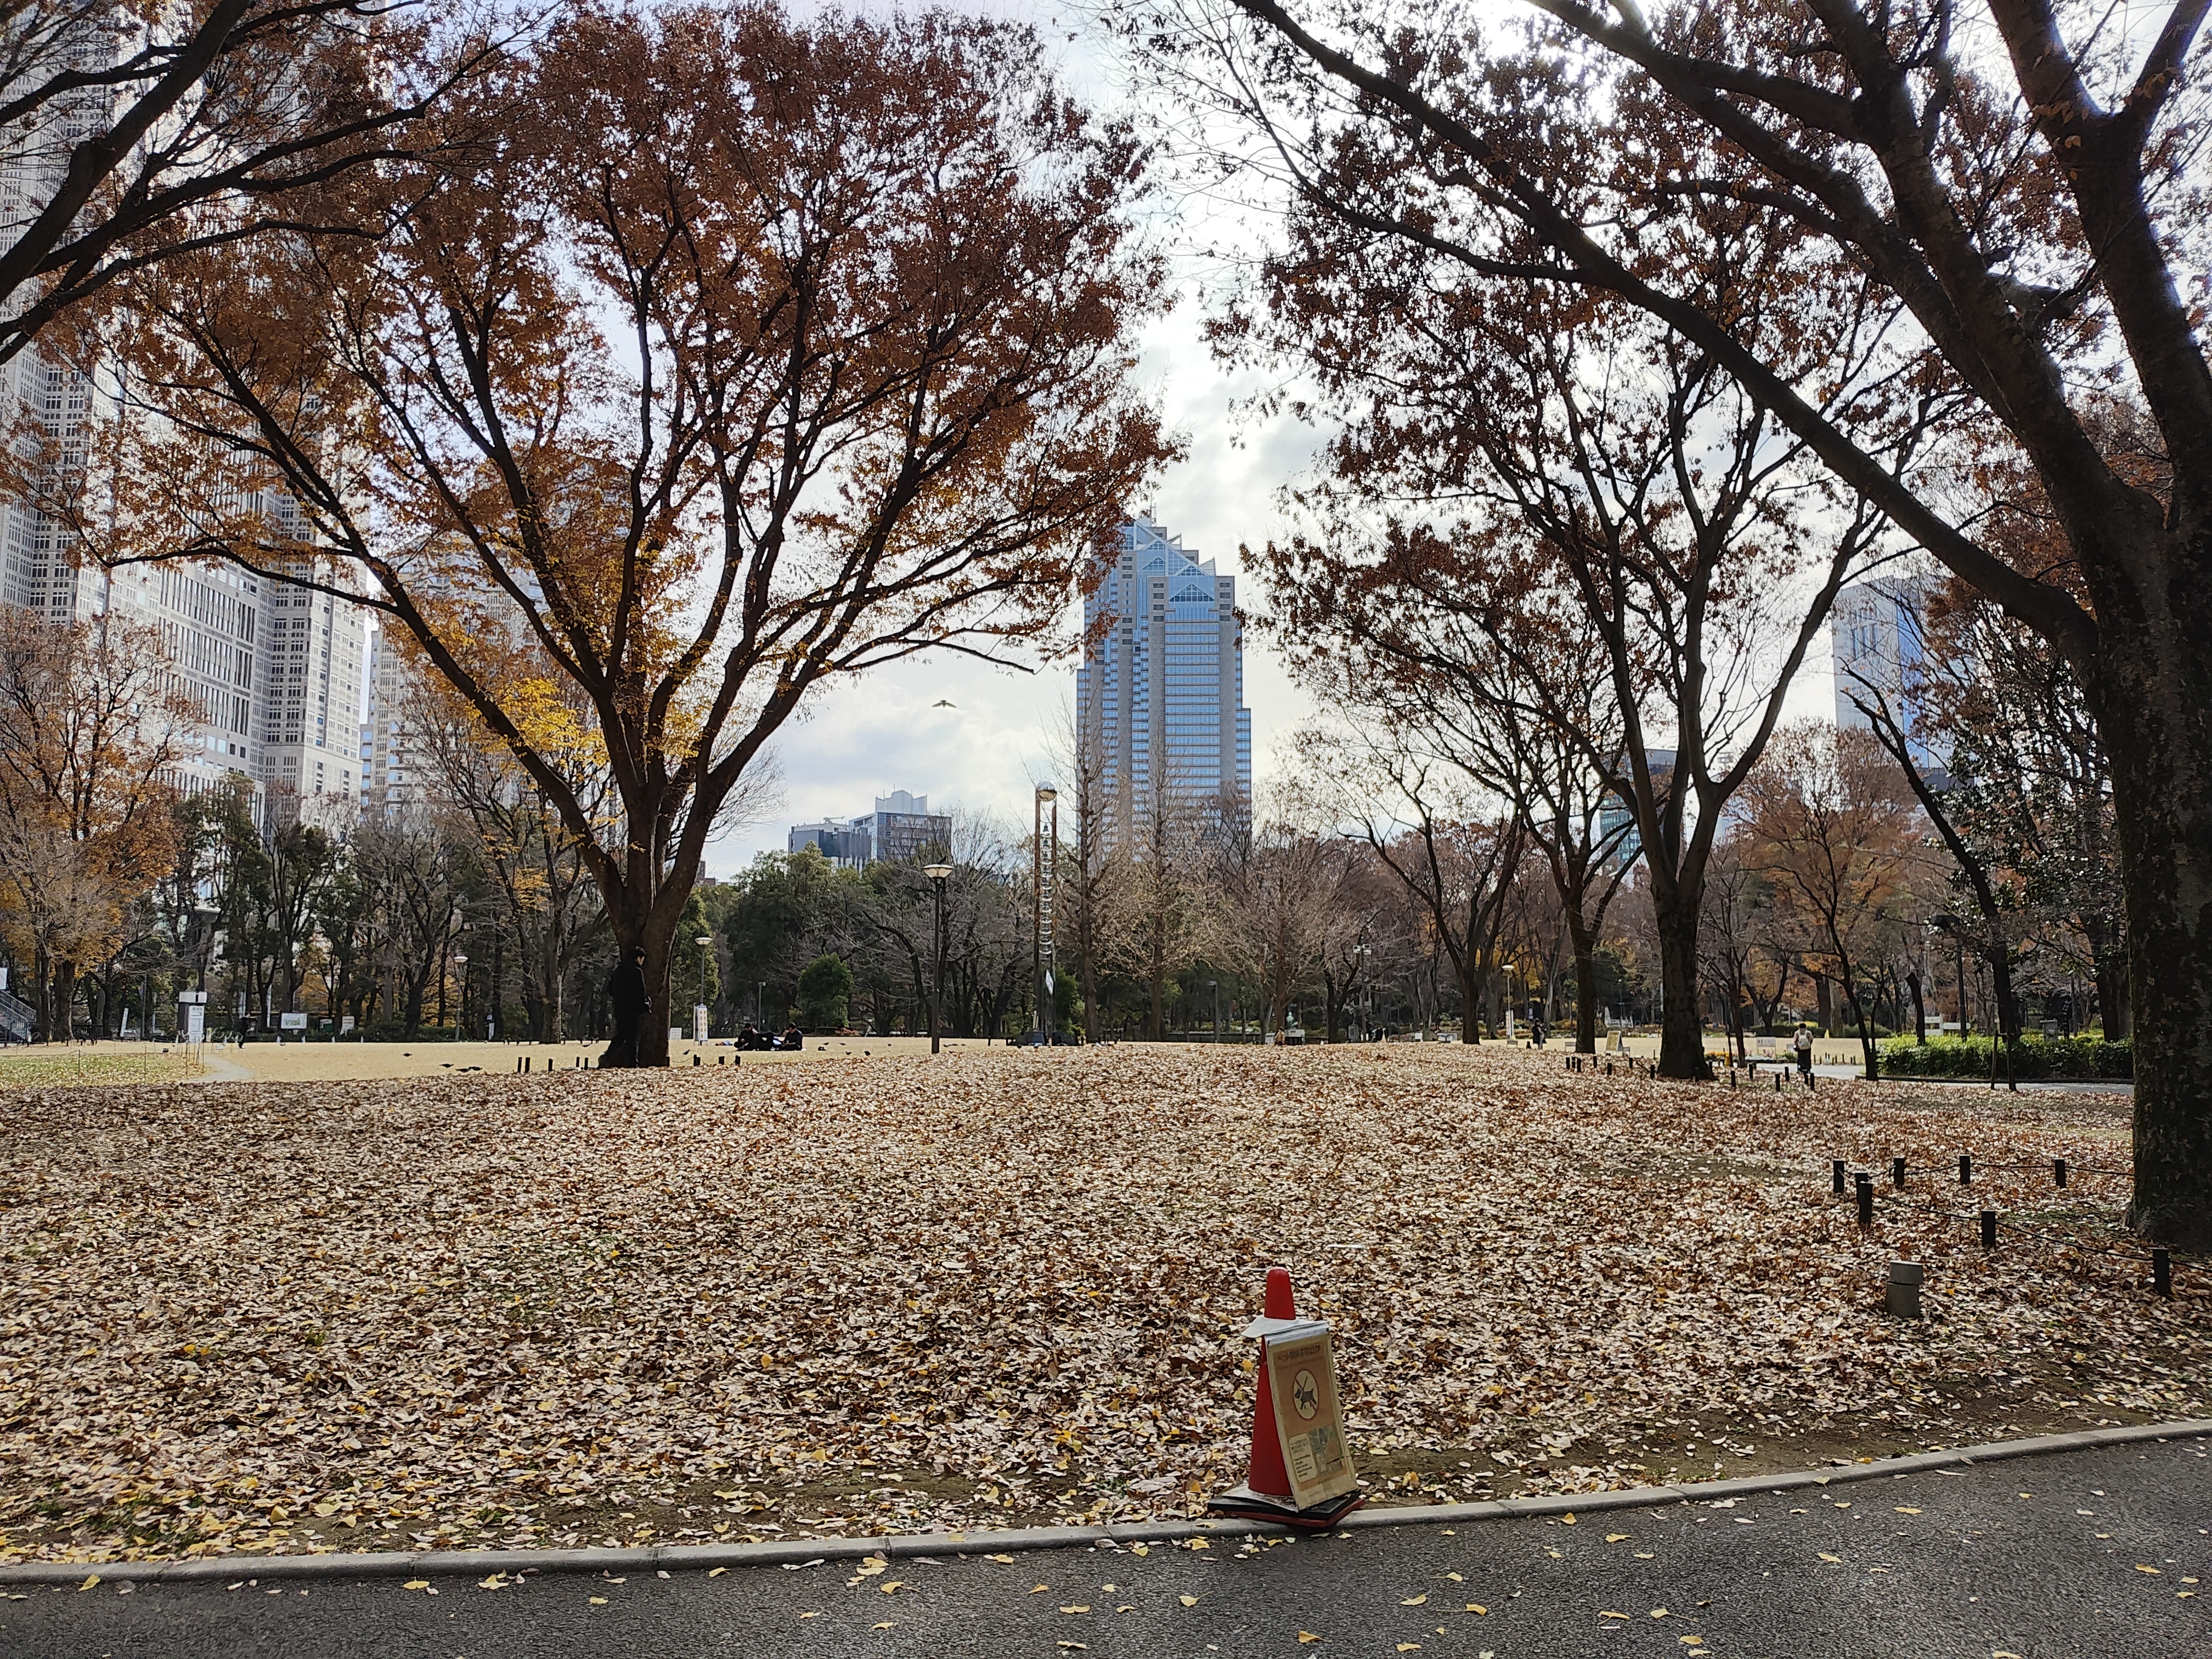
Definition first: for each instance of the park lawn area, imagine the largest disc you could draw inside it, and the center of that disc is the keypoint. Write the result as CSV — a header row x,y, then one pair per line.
x,y
892,1294
64,1067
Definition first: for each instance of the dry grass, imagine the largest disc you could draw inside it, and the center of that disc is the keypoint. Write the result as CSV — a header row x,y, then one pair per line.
x,y
894,1293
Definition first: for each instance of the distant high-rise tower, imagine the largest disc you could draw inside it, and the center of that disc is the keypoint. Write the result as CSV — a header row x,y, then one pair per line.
x,y
1160,696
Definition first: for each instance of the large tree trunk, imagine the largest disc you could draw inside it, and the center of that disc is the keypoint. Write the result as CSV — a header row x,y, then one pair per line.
x,y
1584,939
2156,689
1682,1033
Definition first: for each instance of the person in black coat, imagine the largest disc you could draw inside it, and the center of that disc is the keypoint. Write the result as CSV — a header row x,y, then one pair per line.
x,y
626,991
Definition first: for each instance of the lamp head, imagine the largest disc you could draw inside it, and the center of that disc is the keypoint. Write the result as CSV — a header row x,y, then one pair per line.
x,y
936,871
1046,791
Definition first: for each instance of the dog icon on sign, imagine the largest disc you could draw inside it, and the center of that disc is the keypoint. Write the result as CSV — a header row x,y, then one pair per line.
x,y
1305,1394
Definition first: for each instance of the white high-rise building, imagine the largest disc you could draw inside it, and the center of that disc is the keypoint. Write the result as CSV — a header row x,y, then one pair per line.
x,y
1161,691
314,655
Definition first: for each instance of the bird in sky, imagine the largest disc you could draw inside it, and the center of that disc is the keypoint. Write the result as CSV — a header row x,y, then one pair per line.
x,y
943,704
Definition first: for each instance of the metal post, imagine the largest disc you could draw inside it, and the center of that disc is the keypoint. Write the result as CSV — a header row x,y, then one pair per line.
x,y
2059,1172
1989,1230
2161,1273
1865,1186
1041,905
937,874
1836,1169
1966,1169
1897,1173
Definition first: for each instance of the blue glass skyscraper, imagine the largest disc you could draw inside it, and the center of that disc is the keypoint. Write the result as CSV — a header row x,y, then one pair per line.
x,y
1160,697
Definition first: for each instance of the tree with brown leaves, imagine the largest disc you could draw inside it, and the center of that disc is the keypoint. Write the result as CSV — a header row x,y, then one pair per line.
x,y
2022,181
90,726
744,356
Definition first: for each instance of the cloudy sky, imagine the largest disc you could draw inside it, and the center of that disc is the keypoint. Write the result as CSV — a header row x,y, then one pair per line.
x,y
984,754
883,731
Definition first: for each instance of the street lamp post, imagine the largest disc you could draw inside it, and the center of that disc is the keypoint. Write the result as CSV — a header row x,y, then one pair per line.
x,y
1041,905
937,874
1216,984
461,1008
703,942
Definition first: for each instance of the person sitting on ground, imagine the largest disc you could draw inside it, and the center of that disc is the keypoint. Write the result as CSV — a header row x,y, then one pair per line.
x,y
791,1039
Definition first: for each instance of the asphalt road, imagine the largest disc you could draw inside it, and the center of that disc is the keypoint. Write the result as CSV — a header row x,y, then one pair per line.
x,y
2085,1555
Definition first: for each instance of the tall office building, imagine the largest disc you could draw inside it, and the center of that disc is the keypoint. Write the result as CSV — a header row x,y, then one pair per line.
x,y
1877,646
1161,691
316,656
272,675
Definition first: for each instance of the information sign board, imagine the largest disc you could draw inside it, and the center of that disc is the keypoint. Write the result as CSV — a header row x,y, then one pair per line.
x,y
1302,1377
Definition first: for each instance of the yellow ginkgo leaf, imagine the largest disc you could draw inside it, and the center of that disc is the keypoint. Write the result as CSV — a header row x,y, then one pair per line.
x,y
1188,1601
416,1583
1414,1600
1306,1638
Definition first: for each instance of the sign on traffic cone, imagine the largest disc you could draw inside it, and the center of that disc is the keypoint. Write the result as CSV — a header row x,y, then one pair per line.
x,y
1300,1473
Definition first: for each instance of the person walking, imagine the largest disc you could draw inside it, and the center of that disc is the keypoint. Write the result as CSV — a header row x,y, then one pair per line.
x,y
626,991
1803,1044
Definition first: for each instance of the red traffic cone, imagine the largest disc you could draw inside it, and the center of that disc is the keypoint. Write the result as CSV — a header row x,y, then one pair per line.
x,y
1266,1472
1267,1493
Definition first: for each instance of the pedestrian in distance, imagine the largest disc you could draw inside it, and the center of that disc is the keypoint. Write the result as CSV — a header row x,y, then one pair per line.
x,y
1803,1044
626,991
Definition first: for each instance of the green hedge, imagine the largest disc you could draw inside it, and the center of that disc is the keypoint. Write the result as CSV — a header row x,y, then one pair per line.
x,y
2033,1057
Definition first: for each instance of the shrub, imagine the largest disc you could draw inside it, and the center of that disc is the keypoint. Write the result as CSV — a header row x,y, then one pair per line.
x,y
2033,1058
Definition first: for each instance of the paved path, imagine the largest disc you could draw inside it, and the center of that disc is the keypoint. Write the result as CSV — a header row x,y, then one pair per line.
x,y
2083,1555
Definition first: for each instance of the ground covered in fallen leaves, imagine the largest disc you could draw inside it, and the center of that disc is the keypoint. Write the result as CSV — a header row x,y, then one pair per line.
x,y
894,1294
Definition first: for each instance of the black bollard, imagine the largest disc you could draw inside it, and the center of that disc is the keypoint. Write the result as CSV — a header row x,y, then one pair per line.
x,y
1836,1169
1777,1082
1865,1184
2161,1273
1809,1083
2059,1172
1989,1230
1897,1173
1966,1169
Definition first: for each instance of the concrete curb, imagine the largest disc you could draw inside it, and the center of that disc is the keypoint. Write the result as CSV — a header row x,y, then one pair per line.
x,y
796,1551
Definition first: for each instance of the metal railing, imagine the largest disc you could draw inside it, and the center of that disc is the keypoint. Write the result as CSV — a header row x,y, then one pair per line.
x,y
16,1017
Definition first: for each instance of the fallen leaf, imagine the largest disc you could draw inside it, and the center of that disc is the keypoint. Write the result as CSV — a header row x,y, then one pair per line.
x,y
1905,1509
1414,1600
1306,1638
1188,1601
601,1601
716,1573
1616,1537
1004,1560
1476,1606
413,1584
